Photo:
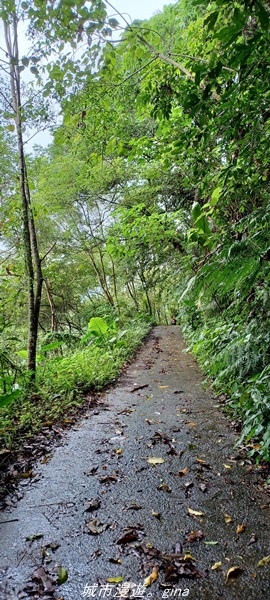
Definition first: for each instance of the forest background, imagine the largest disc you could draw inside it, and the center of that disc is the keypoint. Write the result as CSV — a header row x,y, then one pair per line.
x,y
151,201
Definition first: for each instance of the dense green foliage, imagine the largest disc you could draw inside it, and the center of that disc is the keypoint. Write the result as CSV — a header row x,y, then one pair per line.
x,y
69,368
152,199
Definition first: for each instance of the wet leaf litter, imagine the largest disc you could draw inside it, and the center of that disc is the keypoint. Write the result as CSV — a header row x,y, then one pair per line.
x,y
143,497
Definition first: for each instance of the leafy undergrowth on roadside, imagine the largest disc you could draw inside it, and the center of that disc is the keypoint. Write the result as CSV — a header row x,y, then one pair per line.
x,y
225,315
63,381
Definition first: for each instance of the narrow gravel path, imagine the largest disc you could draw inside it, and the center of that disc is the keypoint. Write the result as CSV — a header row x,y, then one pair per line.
x,y
169,416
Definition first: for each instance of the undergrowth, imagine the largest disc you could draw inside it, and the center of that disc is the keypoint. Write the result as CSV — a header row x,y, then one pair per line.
x,y
62,381
225,314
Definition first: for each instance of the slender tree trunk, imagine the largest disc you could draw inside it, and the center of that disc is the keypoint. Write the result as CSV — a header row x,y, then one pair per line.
x,y
30,245
114,285
52,306
144,284
132,295
101,278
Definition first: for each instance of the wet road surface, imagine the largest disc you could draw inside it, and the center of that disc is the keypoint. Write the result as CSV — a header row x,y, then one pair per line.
x,y
143,516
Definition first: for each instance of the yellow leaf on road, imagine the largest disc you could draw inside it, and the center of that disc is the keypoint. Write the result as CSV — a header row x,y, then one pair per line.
x,y
216,566
227,466
196,513
115,579
264,561
233,572
182,472
149,580
191,424
162,387
240,528
228,519
154,460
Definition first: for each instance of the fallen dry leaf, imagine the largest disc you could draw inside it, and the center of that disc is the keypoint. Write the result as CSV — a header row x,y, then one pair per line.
x,y
149,580
240,528
95,527
154,460
134,507
189,557
32,538
196,513
156,514
202,487
203,463
92,505
264,561
253,539
162,387
227,466
92,471
139,387
115,561
233,572
27,474
194,536
216,566
131,535
108,479
119,451
40,577
164,487
182,472
191,424
228,519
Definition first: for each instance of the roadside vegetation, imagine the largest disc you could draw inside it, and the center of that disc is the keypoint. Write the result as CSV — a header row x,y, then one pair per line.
x,y
68,369
152,200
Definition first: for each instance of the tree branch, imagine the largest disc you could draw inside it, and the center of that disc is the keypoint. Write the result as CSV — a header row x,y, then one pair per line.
x,y
48,252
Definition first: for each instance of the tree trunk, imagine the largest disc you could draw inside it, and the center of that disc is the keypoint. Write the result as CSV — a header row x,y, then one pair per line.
x,y
30,246
144,284
52,306
132,294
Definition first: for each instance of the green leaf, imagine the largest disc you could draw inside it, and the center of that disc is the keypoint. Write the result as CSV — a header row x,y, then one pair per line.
x,y
25,61
98,325
34,70
51,346
215,196
10,127
22,353
62,576
211,20
210,543
196,211
140,52
263,16
113,23
6,399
